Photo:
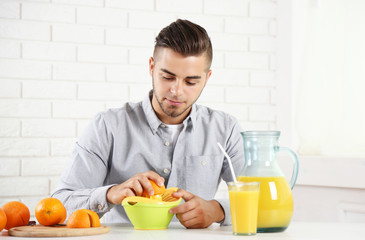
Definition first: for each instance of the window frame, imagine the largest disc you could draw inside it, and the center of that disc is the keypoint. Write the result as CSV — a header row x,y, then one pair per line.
x,y
342,172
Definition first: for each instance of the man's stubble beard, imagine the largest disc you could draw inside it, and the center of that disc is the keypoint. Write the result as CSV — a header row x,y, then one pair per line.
x,y
172,113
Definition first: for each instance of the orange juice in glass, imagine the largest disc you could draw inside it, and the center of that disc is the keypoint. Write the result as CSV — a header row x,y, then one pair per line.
x,y
244,199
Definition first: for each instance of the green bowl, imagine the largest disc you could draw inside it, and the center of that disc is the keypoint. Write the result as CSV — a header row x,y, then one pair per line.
x,y
148,216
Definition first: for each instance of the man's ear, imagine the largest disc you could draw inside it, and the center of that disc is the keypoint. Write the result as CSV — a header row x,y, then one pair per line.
x,y
209,73
208,76
151,63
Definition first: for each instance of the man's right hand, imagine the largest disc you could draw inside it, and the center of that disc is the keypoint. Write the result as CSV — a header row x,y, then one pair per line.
x,y
134,187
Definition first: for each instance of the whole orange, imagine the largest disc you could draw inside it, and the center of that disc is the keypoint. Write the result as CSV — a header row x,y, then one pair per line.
x,y
83,218
3,219
17,214
50,211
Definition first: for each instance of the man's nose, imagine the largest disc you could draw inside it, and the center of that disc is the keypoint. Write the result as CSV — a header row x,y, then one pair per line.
x,y
177,87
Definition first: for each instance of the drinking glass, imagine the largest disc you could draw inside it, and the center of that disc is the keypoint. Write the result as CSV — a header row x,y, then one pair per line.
x,y
244,200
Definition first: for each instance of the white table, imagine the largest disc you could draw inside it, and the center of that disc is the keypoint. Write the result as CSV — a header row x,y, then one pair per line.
x,y
297,230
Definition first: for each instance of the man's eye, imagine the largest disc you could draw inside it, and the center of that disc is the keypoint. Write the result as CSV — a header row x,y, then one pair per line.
x,y
167,78
190,83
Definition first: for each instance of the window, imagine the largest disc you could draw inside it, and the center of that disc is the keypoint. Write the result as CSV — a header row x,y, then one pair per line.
x,y
322,76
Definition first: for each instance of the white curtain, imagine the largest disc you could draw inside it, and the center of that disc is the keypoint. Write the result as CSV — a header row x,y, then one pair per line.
x,y
330,90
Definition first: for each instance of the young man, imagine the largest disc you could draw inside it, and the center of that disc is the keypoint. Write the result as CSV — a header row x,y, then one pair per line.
x,y
166,138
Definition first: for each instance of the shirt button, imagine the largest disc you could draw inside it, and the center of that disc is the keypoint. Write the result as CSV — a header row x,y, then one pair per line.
x,y
100,207
167,144
166,170
163,126
204,162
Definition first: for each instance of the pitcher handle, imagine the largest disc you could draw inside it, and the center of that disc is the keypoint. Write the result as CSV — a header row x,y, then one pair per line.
x,y
296,165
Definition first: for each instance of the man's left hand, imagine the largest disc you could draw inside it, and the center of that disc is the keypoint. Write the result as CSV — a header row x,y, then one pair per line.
x,y
196,212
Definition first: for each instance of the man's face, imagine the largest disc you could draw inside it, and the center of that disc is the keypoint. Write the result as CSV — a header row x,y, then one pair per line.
x,y
177,83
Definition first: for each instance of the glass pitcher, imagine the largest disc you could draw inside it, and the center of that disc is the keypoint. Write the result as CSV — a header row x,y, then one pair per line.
x,y
276,200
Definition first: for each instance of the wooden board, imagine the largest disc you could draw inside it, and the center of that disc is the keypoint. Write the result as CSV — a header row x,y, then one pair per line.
x,y
55,231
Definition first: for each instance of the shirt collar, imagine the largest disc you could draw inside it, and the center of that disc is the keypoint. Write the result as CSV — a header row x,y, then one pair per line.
x,y
190,120
154,122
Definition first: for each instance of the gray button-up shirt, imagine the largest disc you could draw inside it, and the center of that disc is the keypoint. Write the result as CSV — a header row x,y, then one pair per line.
x,y
119,143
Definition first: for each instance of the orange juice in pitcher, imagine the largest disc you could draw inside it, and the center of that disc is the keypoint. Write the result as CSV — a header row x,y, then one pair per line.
x,y
276,200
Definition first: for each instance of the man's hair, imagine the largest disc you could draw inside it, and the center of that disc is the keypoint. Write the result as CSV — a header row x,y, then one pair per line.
x,y
185,38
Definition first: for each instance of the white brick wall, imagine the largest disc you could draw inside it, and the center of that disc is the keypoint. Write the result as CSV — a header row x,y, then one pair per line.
x,y
48,51
62,61
47,12
9,49
102,17
226,8
9,10
10,89
78,72
29,69
48,89
22,108
48,128
25,30
77,33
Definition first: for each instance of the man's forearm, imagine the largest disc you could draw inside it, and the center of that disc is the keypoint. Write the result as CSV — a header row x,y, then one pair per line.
x,y
93,199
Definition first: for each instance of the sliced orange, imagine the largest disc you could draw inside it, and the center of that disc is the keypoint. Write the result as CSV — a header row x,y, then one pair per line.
x,y
94,218
83,218
156,189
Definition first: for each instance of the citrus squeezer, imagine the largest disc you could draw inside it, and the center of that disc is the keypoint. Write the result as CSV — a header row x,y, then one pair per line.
x,y
153,212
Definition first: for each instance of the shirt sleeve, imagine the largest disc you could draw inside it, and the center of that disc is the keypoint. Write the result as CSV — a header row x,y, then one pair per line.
x,y
82,184
234,149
